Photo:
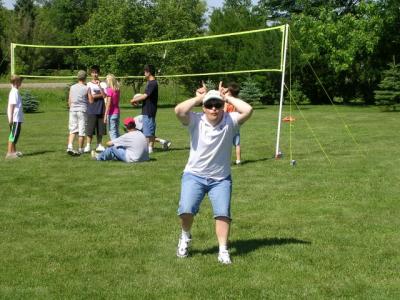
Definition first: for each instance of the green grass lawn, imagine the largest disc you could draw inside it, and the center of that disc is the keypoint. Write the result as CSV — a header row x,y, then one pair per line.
x,y
75,228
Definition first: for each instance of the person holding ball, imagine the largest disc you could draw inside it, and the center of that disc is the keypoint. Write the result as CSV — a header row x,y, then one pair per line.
x,y
149,107
208,170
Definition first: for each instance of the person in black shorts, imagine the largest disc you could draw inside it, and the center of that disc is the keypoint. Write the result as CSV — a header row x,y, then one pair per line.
x,y
95,111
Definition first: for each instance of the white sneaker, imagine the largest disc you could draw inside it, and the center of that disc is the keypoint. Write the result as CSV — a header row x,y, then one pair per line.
x,y
11,156
100,148
94,155
86,149
166,145
224,258
183,247
72,152
238,162
19,154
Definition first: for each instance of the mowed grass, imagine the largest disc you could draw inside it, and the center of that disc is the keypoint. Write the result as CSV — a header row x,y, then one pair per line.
x,y
74,228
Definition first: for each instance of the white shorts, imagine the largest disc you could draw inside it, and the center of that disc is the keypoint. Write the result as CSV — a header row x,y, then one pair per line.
x,y
77,122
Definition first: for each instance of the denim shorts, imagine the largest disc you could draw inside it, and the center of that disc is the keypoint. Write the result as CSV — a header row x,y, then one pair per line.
x,y
236,139
149,126
194,189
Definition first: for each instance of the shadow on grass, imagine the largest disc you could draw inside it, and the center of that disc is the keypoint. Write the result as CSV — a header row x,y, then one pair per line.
x,y
38,153
242,247
250,161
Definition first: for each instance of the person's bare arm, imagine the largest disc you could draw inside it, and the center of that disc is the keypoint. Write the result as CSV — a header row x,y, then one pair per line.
x,y
183,109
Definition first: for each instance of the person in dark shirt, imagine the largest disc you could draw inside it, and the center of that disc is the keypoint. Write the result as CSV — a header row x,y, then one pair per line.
x,y
149,106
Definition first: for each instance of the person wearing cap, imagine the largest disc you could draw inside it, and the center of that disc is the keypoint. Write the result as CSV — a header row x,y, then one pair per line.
x,y
208,170
129,147
77,103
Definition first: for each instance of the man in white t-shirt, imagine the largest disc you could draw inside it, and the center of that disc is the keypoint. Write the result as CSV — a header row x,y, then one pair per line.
x,y
208,169
15,117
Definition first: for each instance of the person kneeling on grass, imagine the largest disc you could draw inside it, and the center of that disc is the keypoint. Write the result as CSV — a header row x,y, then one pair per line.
x,y
130,147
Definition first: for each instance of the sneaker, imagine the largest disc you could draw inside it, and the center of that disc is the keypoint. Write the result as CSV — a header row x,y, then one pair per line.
x,y
19,154
183,247
238,162
11,156
166,145
94,155
100,148
86,149
224,258
72,152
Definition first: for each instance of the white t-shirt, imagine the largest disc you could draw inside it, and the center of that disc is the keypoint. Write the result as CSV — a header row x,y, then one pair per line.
x,y
211,146
139,122
15,98
79,99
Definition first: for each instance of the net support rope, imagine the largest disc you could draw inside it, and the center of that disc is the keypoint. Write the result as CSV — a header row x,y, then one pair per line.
x,y
346,126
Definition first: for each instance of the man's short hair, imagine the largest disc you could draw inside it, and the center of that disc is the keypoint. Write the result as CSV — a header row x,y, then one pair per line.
x,y
95,68
234,89
150,68
15,78
81,75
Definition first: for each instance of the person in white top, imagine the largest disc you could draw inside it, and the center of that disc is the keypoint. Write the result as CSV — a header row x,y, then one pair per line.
x,y
15,117
208,169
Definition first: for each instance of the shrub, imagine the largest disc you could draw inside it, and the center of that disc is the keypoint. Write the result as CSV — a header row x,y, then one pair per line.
x,y
297,94
250,92
30,104
388,94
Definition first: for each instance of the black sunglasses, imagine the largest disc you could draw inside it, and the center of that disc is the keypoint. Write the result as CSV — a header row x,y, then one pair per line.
x,y
211,104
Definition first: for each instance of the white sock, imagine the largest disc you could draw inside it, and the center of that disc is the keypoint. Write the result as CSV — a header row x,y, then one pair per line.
x,y
150,149
80,149
70,146
186,234
223,248
162,142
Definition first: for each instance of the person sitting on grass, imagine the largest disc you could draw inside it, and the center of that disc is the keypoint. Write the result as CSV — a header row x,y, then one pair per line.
x,y
129,147
15,117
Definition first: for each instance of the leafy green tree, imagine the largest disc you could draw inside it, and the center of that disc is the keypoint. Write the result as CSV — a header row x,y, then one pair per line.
x,y
337,38
388,94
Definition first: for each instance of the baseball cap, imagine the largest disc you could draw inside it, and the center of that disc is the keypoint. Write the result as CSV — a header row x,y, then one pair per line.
x,y
128,121
212,95
81,75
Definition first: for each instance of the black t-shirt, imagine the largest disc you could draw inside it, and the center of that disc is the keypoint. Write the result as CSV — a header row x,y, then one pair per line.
x,y
149,107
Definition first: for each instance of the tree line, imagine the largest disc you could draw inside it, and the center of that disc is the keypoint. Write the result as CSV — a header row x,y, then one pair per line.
x,y
347,45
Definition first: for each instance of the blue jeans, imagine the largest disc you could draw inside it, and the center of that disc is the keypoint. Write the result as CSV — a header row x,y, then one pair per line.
x,y
194,189
113,153
113,126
